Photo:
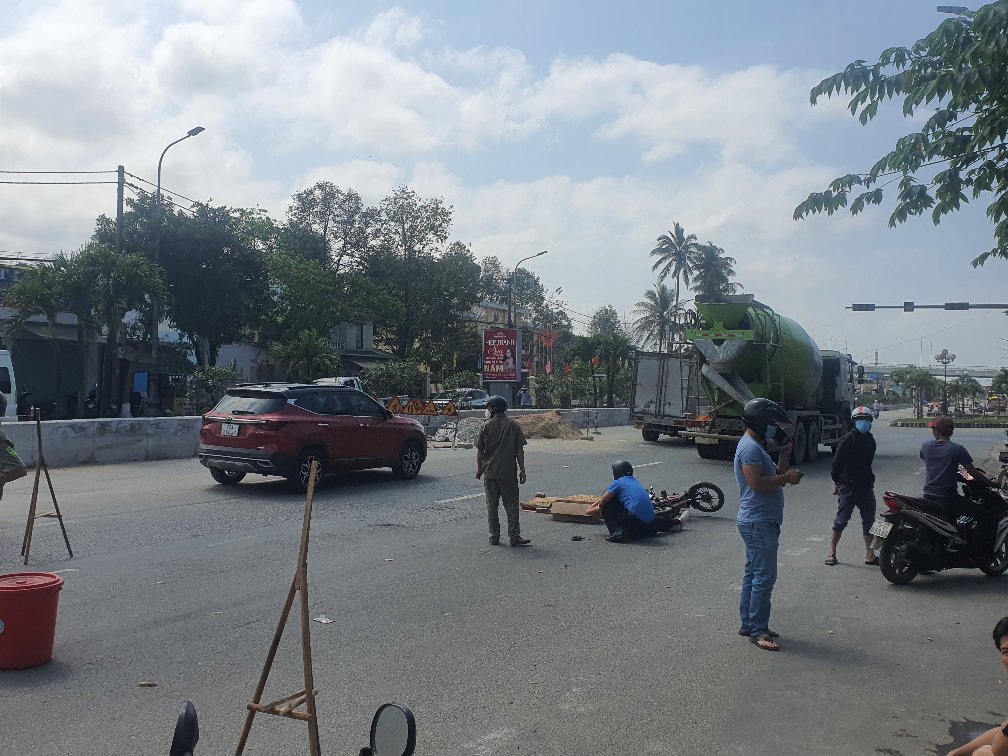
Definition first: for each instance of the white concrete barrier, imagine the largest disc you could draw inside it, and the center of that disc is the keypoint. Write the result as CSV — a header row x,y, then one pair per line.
x,y
75,442
109,440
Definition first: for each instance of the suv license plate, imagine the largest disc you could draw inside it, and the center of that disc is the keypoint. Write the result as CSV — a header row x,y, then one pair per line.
x,y
229,429
880,528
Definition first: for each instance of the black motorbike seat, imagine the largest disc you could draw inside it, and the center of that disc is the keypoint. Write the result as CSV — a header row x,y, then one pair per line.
x,y
933,506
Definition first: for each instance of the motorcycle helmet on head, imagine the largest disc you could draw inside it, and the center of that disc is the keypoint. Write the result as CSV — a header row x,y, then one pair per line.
x,y
863,412
497,405
621,469
758,414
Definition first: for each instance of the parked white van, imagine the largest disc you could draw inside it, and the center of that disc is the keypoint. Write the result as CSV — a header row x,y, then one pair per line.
x,y
7,385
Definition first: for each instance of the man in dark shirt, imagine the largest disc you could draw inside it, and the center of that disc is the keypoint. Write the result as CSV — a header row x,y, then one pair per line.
x,y
500,460
942,458
853,482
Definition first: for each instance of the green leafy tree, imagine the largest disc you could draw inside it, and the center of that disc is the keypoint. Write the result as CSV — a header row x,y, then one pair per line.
x,y
675,251
656,321
999,384
308,355
713,271
120,283
330,225
463,379
39,293
393,378
609,345
958,74
207,385
919,380
76,282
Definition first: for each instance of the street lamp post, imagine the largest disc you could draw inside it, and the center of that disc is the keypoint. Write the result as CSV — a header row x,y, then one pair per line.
x,y
945,357
511,295
155,314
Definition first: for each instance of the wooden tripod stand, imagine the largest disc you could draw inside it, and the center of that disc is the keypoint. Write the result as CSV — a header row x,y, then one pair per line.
x,y
41,467
287,707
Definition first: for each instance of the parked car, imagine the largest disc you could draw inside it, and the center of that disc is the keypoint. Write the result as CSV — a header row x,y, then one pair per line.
x,y
464,398
280,429
341,380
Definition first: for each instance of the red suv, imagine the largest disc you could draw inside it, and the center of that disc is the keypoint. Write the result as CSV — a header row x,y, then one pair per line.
x,y
279,429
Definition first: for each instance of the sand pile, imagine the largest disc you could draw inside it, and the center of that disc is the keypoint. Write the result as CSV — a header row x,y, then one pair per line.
x,y
548,425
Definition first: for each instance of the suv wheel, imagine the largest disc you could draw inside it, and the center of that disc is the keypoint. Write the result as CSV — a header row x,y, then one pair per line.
x,y
226,477
410,459
299,478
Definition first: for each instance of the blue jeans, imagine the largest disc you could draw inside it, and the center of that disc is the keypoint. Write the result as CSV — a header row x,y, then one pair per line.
x,y
761,542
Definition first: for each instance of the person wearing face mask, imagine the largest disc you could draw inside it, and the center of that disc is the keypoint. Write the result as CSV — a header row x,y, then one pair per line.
x,y
853,483
761,512
500,461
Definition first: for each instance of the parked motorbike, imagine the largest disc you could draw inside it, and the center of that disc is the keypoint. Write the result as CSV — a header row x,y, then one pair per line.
x,y
919,535
671,511
393,732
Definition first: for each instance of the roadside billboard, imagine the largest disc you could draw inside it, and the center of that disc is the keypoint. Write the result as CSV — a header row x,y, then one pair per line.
x,y
501,354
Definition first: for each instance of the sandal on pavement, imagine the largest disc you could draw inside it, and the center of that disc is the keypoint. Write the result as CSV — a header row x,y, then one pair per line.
x,y
764,643
768,634
831,561
873,562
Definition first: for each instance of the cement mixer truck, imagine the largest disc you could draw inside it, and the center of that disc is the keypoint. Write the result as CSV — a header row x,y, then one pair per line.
x,y
745,350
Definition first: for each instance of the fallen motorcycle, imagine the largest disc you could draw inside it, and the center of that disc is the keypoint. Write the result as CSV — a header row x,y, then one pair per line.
x,y
671,511
393,732
921,535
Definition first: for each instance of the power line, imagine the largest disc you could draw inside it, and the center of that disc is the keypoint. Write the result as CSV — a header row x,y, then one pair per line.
x,y
56,172
163,190
57,183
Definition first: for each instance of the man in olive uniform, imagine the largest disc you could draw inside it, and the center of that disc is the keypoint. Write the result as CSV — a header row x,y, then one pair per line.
x,y
500,457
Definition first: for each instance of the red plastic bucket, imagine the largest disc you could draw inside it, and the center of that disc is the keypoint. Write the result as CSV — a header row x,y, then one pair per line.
x,y
28,602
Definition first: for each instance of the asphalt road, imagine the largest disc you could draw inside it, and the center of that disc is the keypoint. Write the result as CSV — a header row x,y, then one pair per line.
x,y
566,647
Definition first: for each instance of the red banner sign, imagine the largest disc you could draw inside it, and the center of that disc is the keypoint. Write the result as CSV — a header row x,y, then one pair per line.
x,y
500,355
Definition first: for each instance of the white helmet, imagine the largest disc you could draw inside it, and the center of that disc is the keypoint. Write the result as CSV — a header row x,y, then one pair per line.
x,y
862,412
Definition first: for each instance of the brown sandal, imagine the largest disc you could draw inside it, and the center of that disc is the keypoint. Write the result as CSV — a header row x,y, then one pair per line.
x,y
764,643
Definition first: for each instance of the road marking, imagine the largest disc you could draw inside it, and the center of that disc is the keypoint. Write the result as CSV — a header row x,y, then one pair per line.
x,y
70,569
647,464
231,540
459,498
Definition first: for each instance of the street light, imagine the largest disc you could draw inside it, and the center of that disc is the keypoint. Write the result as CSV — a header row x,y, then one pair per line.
x,y
155,315
945,357
511,307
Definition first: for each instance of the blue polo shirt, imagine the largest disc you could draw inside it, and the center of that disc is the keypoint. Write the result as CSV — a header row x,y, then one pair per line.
x,y
634,497
757,506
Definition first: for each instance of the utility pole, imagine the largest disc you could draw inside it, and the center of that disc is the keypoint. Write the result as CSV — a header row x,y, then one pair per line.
x,y
120,189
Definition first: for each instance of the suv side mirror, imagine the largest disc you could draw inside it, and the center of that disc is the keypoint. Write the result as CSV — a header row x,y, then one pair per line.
x,y
393,731
186,731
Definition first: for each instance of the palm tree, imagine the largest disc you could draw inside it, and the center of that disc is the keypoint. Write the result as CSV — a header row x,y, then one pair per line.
x,y
309,355
38,292
120,283
674,252
656,317
76,281
712,271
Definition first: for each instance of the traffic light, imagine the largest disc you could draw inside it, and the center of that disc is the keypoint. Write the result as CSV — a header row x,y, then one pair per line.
x,y
957,305
860,373
863,307
908,307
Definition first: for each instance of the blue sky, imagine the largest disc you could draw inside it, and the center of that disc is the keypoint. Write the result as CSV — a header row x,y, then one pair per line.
x,y
582,128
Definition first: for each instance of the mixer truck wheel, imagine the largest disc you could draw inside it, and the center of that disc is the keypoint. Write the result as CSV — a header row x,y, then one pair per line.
x,y
649,434
708,451
813,442
799,443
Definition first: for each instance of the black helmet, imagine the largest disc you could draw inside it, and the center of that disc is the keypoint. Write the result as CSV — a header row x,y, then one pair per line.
x,y
759,413
621,469
497,405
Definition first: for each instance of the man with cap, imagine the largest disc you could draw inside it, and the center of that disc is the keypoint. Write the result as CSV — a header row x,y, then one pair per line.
x,y
500,457
625,506
853,481
942,458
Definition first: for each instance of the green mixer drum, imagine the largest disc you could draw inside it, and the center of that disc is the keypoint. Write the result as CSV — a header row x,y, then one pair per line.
x,y
782,363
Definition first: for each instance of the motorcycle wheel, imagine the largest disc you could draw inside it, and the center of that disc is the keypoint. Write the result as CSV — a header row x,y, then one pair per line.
x,y
705,496
999,564
896,567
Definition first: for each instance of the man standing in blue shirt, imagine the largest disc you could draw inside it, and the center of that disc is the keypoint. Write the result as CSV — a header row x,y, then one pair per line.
x,y
761,512
625,506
